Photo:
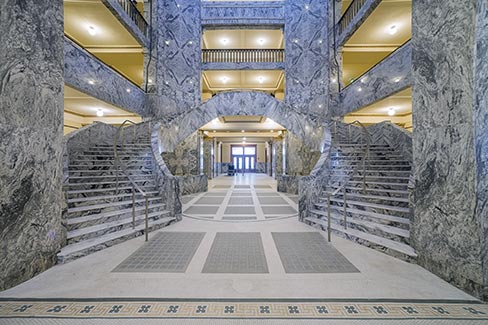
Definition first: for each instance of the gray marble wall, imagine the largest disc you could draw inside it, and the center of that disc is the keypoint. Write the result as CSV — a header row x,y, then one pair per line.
x,y
80,67
183,160
31,137
450,118
217,13
380,82
307,56
177,38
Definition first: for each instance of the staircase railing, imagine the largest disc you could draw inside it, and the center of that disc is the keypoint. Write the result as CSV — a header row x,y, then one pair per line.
x,y
349,14
342,187
242,55
135,15
120,167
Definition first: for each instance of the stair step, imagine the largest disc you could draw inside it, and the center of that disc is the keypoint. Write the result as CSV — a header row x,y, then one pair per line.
x,y
97,216
77,249
376,197
107,197
372,205
365,223
109,204
105,190
380,190
380,241
379,183
370,214
88,230
105,183
121,175
407,172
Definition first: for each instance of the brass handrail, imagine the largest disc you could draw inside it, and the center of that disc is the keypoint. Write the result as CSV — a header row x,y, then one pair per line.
x,y
120,131
354,172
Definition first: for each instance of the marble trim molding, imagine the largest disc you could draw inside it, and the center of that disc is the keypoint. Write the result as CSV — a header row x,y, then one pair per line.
x,y
241,13
380,82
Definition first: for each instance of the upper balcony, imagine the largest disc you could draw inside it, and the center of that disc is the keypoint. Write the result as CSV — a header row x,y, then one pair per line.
x,y
113,31
243,49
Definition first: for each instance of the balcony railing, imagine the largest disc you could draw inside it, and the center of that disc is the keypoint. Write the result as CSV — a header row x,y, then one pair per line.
x,y
135,15
349,15
241,56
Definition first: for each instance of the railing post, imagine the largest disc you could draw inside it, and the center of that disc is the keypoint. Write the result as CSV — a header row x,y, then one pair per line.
x,y
349,132
345,208
133,208
328,217
147,219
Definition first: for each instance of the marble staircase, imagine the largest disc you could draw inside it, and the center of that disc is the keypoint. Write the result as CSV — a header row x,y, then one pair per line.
x,y
100,198
377,198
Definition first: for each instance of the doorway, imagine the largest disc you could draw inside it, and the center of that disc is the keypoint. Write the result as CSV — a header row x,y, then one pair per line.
x,y
244,158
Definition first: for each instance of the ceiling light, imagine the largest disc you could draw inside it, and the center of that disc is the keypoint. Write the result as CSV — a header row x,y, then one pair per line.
x,y
128,90
214,131
393,29
91,82
92,30
260,79
244,139
271,131
224,79
261,41
391,111
224,41
243,142
99,112
243,131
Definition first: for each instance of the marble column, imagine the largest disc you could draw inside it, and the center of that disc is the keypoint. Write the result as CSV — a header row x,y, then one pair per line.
x,y
450,142
31,137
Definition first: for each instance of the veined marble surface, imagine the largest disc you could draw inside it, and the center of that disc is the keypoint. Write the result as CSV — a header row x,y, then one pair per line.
x,y
80,67
449,119
216,13
307,56
379,82
31,137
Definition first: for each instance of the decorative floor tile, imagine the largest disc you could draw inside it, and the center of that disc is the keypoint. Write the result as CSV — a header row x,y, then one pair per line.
x,y
221,193
272,200
186,199
319,309
286,210
202,209
309,252
221,186
243,193
236,252
210,200
165,252
242,186
240,210
259,194
262,186
244,200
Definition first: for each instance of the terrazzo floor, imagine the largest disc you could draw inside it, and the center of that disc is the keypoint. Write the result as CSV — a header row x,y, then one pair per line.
x,y
219,266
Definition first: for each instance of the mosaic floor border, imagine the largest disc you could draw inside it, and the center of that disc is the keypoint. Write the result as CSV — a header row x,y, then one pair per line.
x,y
243,308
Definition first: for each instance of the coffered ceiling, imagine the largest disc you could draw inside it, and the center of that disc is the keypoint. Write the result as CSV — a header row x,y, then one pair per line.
x,y
264,80
242,39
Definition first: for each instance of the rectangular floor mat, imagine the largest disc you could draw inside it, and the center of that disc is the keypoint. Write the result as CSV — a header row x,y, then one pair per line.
x,y
273,210
221,186
242,186
210,200
202,209
242,200
309,252
234,194
236,252
166,252
272,200
240,210
262,186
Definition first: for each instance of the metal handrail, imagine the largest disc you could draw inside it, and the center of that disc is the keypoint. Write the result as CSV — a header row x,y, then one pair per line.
x,y
349,14
135,15
354,172
120,131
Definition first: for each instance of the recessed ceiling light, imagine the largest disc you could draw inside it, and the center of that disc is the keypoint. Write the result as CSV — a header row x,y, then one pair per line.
x,y
260,79
243,131
224,41
224,79
391,111
244,138
271,131
261,41
243,142
91,82
214,131
393,29
99,112
92,30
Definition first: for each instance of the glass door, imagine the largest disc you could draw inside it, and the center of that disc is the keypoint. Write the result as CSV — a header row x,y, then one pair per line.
x,y
244,158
